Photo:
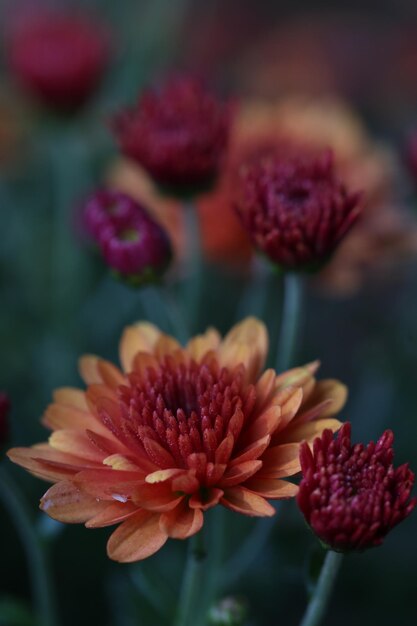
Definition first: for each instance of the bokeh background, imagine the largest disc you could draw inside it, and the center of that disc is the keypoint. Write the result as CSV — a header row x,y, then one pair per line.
x,y
345,73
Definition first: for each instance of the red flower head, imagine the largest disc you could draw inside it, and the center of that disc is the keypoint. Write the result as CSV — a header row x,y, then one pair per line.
x,y
177,431
178,133
352,496
4,417
131,241
58,58
295,209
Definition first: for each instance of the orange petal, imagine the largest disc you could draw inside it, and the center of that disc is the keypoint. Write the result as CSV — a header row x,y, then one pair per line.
x,y
224,449
264,425
71,397
121,462
158,497
108,484
201,344
182,522
298,377
307,431
244,501
143,361
246,343
328,390
280,461
161,476
32,459
112,513
253,451
61,416
270,488
67,503
94,370
137,538
264,389
239,473
166,346
76,442
141,337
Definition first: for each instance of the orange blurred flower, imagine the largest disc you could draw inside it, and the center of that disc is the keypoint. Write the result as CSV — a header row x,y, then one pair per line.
x,y
386,233
175,432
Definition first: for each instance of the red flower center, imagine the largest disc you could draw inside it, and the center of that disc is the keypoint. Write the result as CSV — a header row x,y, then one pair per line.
x,y
186,408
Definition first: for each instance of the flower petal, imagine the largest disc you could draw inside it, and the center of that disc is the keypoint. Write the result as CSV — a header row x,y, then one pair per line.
x,y
70,396
244,501
158,497
253,451
94,370
137,538
182,522
37,458
280,461
112,513
65,502
198,346
140,337
61,416
76,442
307,431
270,488
239,473
331,391
247,343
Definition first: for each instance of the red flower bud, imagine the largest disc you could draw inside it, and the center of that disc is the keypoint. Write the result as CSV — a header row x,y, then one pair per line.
x,y
132,243
295,210
178,133
4,417
107,207
352,496
58,58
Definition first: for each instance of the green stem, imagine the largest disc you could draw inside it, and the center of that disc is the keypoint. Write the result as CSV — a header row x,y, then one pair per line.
x,y
157,299
14,502
191,585
322,592
290,321
195,265
249,551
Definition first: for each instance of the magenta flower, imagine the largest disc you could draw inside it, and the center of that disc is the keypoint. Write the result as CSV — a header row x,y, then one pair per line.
x,y
352,495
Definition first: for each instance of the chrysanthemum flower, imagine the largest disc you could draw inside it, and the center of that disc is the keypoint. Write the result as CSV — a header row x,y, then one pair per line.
x,y
352,496
59,58
295,209
178,133
175,432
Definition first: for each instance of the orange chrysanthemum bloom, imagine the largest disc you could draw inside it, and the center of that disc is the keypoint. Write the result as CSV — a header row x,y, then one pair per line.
x,y
176,432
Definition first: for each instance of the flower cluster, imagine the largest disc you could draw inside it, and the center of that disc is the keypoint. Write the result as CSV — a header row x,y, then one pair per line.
x,y
295,210
177,431
352,496
59,58
178,133
131,241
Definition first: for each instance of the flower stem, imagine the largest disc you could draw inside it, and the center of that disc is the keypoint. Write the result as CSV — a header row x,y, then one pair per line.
x,y
194,262
191,585
290,321
322,592
37,561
